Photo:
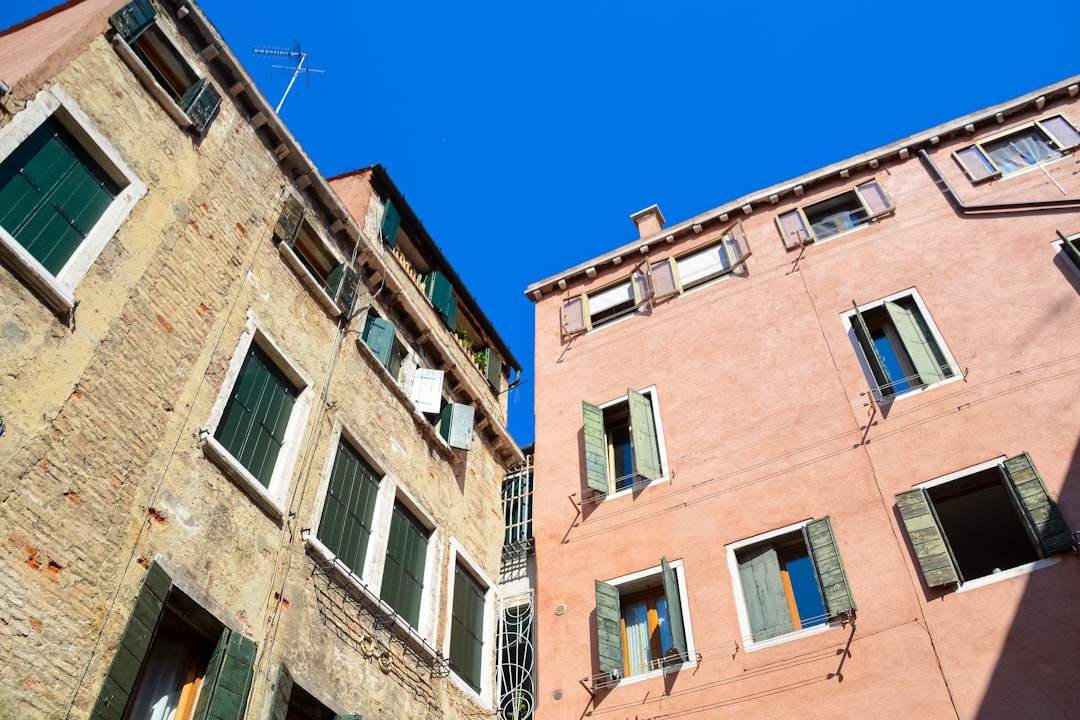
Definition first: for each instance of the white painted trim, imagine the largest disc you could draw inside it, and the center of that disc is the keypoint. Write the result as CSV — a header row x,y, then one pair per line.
x,y
1019,570
487,651
58,291
964,472
217,453
309,281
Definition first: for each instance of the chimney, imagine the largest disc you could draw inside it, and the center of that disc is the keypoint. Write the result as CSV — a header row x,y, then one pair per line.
x,y
648,221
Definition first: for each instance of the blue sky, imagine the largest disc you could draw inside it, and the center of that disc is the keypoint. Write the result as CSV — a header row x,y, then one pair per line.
x,y
524,133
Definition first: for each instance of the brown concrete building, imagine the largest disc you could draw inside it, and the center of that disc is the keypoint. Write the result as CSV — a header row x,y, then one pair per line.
x,y
253,428
820,457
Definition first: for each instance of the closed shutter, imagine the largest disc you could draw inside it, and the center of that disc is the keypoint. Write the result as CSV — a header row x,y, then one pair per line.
x,y
391,220
674,605
832,578
427,390
1070,249
379,336
228,678
763,589
345,527
929,542
288,224
916,344
736,246
132,19
406,556
793,230
134,643
573,316
609,629
1042,517
467,628
643,437
596,467
456,425
279,708
201,102
869,351
493,368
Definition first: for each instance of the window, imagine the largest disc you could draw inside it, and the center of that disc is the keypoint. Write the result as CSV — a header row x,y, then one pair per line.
x,y
258,420
381,338
1038,142
391,221
623,442
175,661
64,192
982,521
834,215
406,559
441,294
642,623
589,311
452,421
292,702
155,59
349,508
467,628
1070,246
901,349
789,580
697,267
328,277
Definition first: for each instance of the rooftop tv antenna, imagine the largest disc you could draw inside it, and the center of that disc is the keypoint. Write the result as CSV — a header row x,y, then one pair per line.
x,y
299,57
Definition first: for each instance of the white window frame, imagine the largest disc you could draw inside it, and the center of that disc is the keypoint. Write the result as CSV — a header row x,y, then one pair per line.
x,y
58,290
998,173
912,293
632,582
487,691
661,445
271,498
745,630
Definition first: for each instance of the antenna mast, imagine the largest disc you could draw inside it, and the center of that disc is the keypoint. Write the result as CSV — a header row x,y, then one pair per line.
x,y
297,69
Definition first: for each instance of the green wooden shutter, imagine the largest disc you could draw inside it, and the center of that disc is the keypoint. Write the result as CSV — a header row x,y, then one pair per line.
x,y
596,467
132,19
609,629
870,353
927,539
201,102
345,527
133,646
467,628
227,683
406,556
379,336
456,425
334,281
493,368
832,578
279,708
1069,248
1042,517
390,222
763,589
288,224
674,605
643,437
916,343
441,293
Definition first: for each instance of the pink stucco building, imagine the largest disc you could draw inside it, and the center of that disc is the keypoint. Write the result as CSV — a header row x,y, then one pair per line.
x,y
814,452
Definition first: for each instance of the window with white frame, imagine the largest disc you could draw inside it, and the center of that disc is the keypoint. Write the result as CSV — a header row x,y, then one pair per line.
x,y
452,421
642,623
402,585
982,522
258,419
593,309
315,260
155,58
1035,143
470,650
675,275
788,581
623,442
64,192
834,215
901,349
349,507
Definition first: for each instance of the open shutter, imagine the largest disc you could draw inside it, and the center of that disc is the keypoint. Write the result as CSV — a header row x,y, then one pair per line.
x,y
1062,131
643,437
763,589
493,368
134,643
832,578
441,293
341,285
793,228
456,425
665,278
201,102
132,19
866,343
875,199
228,679
379,336
674,605
976,164
573,316
279,708
596,467
391,221
288,224
641,278
609,629
929,542
918,349
1041,514
736,246
427,390
1069,248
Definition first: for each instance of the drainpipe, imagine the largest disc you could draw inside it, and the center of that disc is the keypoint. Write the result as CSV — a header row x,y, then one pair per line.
x,y
966,209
